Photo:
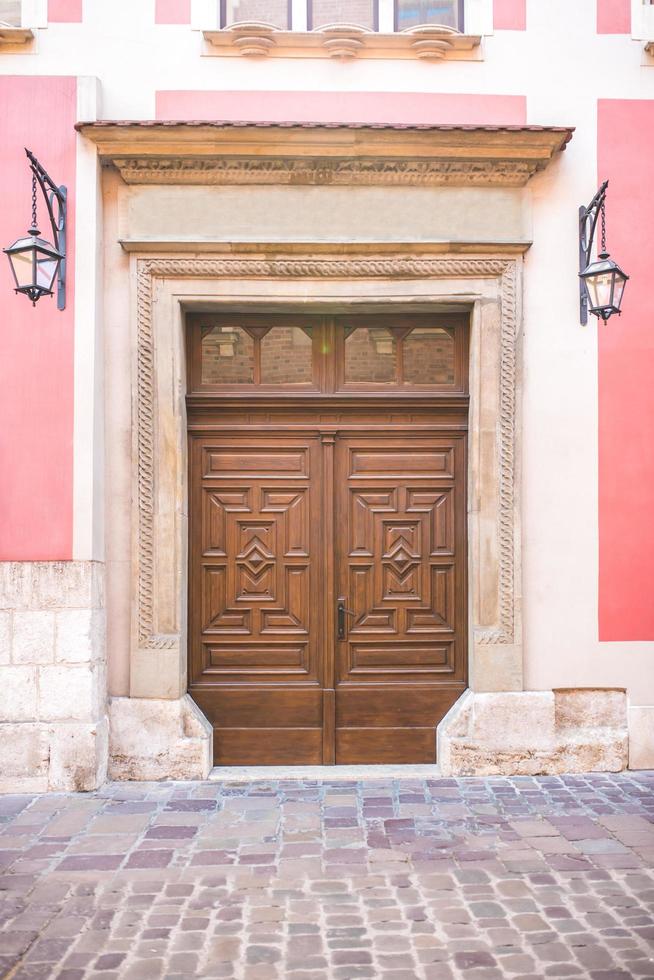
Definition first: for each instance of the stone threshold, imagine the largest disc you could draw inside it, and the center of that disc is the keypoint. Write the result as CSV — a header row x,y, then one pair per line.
x,y
251,774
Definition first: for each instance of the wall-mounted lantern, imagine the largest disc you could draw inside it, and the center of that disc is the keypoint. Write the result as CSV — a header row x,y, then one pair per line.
x,y
36,263
601,282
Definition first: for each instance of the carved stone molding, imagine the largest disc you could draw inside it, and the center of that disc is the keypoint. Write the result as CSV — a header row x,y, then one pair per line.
x,y
400,267
505,634
249,170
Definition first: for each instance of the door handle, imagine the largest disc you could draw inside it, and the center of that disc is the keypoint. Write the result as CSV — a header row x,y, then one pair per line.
x,y
342,612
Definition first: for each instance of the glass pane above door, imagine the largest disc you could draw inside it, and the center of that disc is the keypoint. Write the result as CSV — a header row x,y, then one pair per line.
x,y
428,356
370,355
286,356
227,356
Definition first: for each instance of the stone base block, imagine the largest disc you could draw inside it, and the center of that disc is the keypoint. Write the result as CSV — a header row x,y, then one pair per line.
x,y
40,758
641,737
78,756
53,725
153,739
529,733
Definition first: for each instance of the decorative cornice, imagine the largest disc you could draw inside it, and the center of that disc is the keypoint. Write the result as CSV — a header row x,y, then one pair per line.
x,y
339,267
223,153
421,173
343,41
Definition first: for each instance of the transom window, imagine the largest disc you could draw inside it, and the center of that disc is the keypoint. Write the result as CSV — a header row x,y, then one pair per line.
x,y
232,352
317,14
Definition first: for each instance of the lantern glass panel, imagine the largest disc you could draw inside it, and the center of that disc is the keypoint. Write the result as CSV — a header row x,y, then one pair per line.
x,y
22,264
618,290
599,289
46,270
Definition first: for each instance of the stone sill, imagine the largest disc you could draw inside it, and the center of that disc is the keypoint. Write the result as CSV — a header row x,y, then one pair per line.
x,y
343,41
15,35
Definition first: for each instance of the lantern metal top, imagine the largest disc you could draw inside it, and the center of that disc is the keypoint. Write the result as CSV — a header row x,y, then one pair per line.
x,y
33,241
603,264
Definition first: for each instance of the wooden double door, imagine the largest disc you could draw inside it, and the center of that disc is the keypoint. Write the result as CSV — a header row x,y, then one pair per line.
x,y
327,582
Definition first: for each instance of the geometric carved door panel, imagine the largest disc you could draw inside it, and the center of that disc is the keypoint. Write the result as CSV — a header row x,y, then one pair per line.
x,y
401,572
255,657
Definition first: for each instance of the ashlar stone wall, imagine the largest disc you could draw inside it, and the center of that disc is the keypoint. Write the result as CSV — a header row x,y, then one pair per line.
x,y
53,692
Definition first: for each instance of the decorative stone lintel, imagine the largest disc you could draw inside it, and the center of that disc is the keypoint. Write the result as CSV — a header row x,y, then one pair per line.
x,y
428,41
224,153
533,733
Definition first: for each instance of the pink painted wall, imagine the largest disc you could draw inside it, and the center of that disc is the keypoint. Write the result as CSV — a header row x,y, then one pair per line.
x,y
614,16
361,107
510,15
172,12
36,343
626,379
65,11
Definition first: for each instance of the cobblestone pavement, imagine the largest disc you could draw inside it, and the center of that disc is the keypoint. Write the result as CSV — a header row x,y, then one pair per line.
x,y
397,879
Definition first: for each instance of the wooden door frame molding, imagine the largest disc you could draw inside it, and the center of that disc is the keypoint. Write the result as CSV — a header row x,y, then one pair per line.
x,y
489,286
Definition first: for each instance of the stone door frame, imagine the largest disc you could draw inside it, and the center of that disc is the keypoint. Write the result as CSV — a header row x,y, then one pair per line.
x,y
166,287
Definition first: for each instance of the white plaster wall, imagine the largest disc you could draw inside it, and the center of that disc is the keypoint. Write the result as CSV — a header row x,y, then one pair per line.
x,y
562,66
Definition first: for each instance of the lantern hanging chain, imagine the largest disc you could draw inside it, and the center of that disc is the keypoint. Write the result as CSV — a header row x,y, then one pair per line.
x,y
603,228
34,225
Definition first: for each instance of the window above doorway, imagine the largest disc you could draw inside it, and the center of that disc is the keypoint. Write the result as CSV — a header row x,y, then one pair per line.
x,y
377,354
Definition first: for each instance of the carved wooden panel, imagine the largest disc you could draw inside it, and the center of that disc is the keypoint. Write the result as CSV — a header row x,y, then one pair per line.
x,y
401,572
255,578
